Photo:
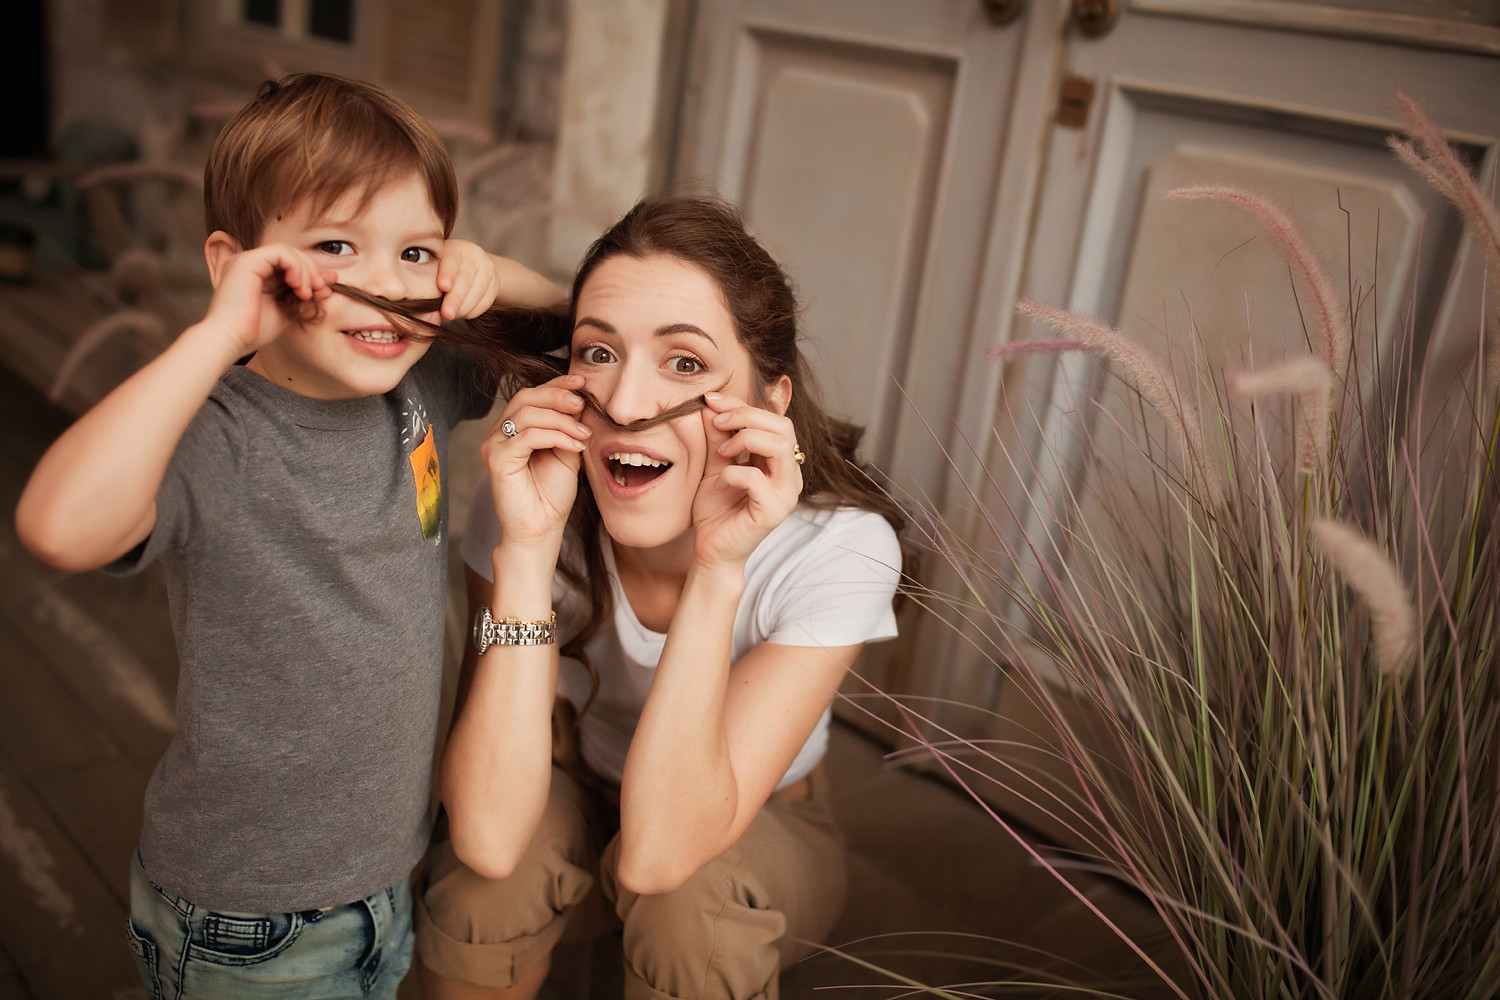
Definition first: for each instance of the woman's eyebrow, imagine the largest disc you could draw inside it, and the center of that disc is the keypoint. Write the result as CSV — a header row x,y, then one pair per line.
x,y
671,328
591,321
661,331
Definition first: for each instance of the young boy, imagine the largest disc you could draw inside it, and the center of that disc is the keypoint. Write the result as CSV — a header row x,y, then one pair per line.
x,y
298,502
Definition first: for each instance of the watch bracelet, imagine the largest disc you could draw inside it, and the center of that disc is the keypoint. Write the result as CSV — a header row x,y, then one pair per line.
x,y
514,632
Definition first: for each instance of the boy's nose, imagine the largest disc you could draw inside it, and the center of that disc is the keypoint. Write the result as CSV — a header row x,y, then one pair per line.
x,y
385,281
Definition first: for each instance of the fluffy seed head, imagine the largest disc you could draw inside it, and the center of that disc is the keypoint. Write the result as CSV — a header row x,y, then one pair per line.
x,y
1335,336
1307,378
1371,574
1151,378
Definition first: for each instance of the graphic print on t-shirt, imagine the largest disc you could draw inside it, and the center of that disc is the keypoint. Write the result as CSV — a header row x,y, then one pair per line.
x,y
426,476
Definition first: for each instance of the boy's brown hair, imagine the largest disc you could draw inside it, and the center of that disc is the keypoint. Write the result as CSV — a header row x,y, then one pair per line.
x,y
315,137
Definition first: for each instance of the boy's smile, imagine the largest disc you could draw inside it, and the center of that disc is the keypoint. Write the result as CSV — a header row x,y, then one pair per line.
x,y
388,247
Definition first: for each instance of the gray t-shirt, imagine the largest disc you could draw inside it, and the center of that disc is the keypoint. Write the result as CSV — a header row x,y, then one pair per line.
x,y
305,546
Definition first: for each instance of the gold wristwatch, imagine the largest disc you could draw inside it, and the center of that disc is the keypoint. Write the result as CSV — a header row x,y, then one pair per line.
x,y
512,631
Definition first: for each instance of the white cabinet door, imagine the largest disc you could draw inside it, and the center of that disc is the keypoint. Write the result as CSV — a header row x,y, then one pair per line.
x,y
1292,99
867,142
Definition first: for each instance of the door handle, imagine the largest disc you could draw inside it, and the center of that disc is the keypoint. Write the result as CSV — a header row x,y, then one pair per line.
x,y
1002,11
1095,17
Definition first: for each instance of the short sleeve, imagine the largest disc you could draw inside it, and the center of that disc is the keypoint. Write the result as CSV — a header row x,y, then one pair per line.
x,y
836,589
204,467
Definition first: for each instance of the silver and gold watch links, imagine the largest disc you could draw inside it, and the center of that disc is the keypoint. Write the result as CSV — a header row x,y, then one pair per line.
x,y
489,631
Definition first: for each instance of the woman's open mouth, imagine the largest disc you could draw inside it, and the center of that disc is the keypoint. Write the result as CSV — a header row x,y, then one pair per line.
x,y
631,468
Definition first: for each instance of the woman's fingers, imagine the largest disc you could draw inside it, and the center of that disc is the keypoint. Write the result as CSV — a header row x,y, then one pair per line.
x,y
776,448
535,429
537,419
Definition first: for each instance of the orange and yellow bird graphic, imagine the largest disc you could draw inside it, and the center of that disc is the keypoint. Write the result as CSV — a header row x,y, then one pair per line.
x,y
429,482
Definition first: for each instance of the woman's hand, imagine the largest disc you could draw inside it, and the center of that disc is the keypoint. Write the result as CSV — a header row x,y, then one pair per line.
x,y
534,474
751,480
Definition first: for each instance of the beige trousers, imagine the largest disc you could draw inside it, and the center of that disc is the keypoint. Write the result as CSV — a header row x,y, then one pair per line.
x,y
724,936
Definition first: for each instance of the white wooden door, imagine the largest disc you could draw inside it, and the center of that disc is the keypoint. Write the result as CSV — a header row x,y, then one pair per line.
x,y
909,162
867,141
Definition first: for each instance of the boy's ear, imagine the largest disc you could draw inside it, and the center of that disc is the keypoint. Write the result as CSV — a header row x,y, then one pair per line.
x,y
779,394
219,249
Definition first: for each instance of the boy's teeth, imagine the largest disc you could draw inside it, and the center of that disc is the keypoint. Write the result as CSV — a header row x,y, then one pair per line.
x,y
375,336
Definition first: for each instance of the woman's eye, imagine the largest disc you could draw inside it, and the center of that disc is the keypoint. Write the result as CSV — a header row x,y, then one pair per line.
x,y
687,366
418,255
596,355
336,248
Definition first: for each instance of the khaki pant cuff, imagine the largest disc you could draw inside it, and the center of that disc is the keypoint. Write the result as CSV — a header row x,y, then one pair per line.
x,y
483,963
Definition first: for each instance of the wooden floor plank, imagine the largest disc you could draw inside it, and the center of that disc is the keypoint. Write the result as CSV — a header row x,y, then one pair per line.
x,y
11,986
99,806
62,926
113,653
43,727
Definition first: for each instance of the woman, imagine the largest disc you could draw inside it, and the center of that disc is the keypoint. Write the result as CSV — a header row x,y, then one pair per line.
x,y
713,577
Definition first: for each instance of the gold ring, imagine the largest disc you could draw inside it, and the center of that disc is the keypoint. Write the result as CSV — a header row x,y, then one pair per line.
x,y
797,454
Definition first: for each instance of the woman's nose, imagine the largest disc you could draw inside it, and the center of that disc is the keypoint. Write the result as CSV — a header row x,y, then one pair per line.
x,y
628,396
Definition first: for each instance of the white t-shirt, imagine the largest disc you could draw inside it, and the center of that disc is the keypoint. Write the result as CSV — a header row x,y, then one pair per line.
x,y
820,578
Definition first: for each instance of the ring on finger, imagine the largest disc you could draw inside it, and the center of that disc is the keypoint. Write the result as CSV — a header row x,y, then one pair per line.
x,y
508,428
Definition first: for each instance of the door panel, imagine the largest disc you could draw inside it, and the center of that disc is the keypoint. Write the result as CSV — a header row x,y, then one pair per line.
x,y
862,139
866,141
848,214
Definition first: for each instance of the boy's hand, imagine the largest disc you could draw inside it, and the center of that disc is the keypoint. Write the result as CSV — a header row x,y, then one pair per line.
x,y
472,281
468,279
245,303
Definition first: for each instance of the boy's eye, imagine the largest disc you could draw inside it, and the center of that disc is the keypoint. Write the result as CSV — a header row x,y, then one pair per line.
x,y
596,355
417,255
687,365
337,248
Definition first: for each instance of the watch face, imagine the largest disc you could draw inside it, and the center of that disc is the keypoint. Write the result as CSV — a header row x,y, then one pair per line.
x,y
481,618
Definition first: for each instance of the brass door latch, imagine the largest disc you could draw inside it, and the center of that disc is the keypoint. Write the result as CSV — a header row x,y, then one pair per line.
x,y
1075,98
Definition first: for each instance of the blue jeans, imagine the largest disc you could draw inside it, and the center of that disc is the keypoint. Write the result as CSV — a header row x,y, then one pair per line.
x,y
185,952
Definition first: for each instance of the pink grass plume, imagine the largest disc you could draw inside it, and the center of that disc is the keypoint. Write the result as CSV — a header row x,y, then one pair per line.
x,y
1151,378
1371,574
1017,347
1335,337
1438,163
1311,381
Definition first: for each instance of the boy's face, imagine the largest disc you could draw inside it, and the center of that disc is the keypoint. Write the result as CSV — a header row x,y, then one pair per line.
x,y
388,248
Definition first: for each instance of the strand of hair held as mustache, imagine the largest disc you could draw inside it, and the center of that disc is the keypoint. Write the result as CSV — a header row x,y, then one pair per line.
x,y
413,311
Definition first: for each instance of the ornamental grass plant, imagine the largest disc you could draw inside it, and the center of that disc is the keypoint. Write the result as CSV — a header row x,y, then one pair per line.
x,y
1283,642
